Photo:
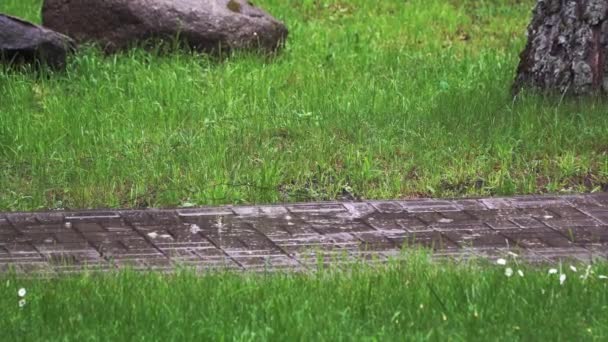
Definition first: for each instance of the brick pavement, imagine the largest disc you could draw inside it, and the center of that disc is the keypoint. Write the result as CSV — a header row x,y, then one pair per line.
x,y
299,236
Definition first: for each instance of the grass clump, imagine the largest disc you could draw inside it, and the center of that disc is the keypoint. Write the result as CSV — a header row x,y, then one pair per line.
x,y
386,99
412,300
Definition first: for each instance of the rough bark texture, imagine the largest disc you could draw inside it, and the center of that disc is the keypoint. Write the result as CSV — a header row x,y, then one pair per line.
x,y
567,48
24,42
203,25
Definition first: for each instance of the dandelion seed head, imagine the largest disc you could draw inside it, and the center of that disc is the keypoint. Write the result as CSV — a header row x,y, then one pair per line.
x,y
22,292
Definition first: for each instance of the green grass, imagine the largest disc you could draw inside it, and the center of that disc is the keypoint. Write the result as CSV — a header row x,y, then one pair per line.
x,y
383,99
405,300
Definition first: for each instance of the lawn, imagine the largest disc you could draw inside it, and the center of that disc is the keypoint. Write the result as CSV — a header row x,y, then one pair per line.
x,y
387,99
404,300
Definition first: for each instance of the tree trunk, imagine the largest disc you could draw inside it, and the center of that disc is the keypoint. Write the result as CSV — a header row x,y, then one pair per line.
x,y
567,48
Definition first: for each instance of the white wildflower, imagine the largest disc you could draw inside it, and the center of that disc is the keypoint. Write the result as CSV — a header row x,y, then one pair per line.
x,y
508,271
562,279
573,269
553,271
520,272
22,292
501,261
22,303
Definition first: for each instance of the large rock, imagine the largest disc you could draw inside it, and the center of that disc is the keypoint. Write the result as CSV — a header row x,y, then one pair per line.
x,y
24,42
204,25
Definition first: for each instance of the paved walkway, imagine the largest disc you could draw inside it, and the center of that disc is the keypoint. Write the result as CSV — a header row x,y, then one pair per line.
x,y
537,229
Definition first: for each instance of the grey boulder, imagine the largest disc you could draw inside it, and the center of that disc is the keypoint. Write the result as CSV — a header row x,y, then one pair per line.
x,y
25,42
203,25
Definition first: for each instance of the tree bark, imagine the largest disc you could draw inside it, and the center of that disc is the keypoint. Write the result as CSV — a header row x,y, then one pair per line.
x,y
567,48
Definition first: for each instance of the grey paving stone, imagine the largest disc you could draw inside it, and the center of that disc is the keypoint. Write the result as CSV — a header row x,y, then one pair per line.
x,y
166,217
405,222
358,210
316,208
430,205
248,211
539,202
601,198
470,205
573,254
51,218
93,216
388,207
303,236
497,203
21,219
198,212
331,224
582,201
599,214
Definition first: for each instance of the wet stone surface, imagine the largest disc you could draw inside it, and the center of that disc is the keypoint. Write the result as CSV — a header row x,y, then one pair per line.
x,y
299,237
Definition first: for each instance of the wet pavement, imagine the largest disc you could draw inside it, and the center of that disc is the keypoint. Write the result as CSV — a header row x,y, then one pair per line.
x,y
300,236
